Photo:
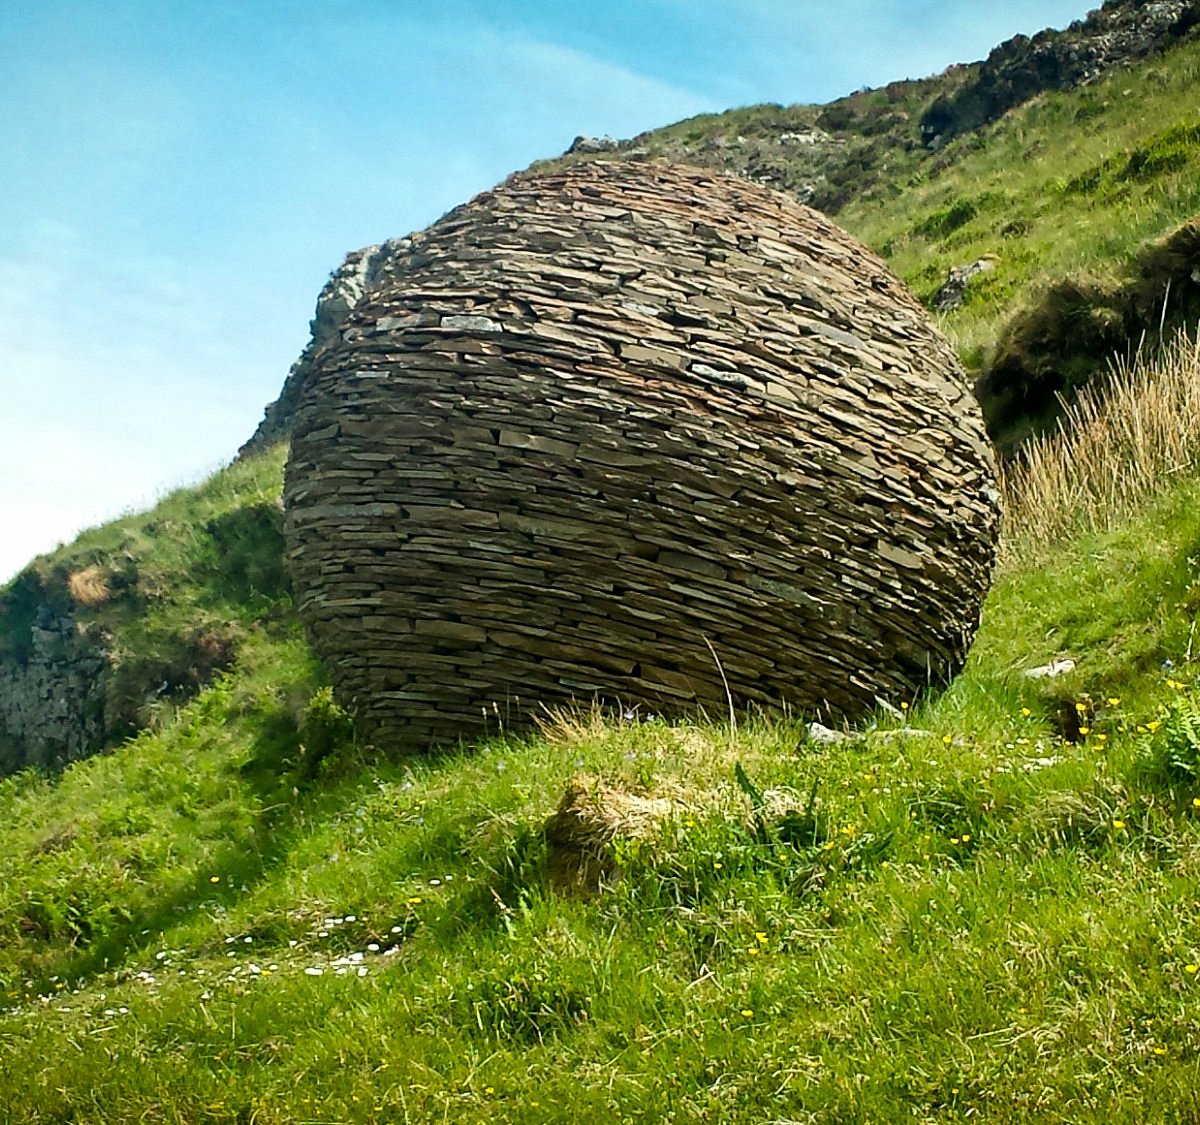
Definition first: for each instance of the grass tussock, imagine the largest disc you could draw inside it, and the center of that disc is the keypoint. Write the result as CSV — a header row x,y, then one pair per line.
x,y
89,586
1116,448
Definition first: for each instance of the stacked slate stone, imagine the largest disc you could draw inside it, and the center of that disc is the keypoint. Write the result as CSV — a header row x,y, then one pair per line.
x,y
643,434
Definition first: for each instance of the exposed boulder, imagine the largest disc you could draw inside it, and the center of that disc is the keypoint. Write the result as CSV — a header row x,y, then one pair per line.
x,y
954,289
590,145
642,433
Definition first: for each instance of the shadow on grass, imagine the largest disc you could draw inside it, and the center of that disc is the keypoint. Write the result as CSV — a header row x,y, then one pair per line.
x,y
272,783
292,790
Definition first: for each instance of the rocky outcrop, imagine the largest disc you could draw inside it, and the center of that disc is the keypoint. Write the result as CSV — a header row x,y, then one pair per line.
x,y
70,687
590,145
362,270
954,289
642,433
52,696
1119,33
96,643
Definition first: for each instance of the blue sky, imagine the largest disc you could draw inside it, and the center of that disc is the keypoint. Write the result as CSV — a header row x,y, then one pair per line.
x,y
180,177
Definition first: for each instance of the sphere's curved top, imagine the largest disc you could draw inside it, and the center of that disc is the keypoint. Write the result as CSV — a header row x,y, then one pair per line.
x,y
601,423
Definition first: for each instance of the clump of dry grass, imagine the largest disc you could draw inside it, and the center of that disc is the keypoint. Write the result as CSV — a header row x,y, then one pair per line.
x,y
592,814
1115,449
89,586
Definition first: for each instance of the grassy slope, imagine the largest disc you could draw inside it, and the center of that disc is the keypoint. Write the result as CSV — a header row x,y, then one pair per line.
x,y
990,912
175,591
185,548
1068,184
981,916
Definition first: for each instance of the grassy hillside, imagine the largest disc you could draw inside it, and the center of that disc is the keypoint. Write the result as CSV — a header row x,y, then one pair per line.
x,y
1068,182
977,905
148,607
1062,195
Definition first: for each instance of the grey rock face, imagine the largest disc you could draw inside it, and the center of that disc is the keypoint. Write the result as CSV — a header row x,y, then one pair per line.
x,y
634,432
52,700
1119,33
954,290
361,270
593,144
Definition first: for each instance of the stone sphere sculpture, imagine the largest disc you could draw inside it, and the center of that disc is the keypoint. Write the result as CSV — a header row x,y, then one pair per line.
x,y
639,433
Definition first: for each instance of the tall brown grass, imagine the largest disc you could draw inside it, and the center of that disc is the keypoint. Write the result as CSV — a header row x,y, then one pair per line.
x,y
1117,447
89,586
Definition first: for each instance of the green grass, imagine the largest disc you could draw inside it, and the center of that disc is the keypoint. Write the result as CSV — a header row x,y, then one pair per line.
x,y
174,594
984,908
1069,185
981,905
1067,194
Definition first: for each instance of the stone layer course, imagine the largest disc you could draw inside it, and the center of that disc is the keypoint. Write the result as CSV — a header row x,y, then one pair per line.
x,y
639,433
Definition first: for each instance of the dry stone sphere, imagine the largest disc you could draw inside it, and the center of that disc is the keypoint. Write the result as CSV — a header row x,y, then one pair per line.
x,y
637,433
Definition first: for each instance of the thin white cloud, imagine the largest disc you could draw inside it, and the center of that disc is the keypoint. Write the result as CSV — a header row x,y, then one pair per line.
x,y
809,52
565,84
